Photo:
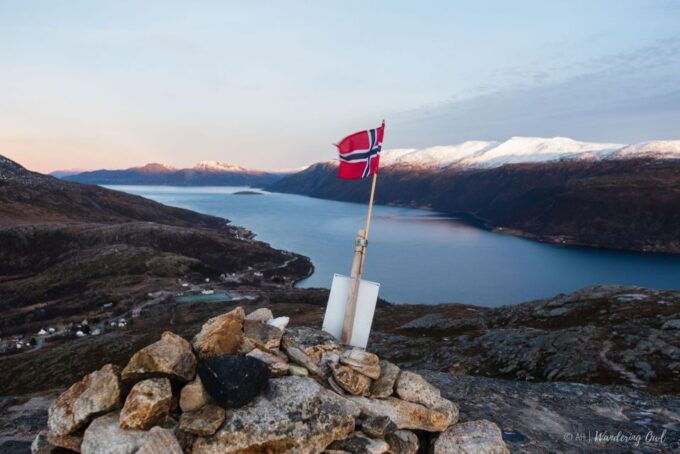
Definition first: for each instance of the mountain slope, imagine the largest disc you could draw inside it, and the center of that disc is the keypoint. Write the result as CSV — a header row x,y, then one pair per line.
x,y
71,251
205,173
631,204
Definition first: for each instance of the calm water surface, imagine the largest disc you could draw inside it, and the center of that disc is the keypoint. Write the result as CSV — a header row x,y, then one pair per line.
x,y
417,255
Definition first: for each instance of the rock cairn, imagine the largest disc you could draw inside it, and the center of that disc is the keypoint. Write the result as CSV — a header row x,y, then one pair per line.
x,y
248,384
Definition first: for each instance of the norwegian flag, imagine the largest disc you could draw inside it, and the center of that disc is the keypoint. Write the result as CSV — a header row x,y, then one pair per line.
x,y
360,153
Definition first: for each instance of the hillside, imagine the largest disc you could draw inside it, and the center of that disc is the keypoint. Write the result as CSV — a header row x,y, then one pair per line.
x,y
205,173
72,251
630,204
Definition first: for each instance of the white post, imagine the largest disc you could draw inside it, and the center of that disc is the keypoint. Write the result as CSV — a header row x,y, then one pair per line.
x,y
357,271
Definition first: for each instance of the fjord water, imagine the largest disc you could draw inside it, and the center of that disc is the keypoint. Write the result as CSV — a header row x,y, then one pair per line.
x,y
416,255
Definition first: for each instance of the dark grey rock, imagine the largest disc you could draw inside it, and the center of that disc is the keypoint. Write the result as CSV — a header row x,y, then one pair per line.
x,y
232,380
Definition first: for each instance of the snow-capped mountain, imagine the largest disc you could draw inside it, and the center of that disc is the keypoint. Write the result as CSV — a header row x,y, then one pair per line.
x,y
217,166
484,154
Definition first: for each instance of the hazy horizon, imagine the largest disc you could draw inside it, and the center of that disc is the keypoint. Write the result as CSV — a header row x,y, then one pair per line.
x,y
272,86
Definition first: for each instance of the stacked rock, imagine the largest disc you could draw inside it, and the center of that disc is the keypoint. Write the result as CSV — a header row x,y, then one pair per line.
x,y
247,384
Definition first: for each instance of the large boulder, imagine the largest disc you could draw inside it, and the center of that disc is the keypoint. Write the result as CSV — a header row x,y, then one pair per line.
x,y
104,436
204,421
193,396
383,386
472,437
409,415
232,380
97,393
147,405
221,335
295,415
170,357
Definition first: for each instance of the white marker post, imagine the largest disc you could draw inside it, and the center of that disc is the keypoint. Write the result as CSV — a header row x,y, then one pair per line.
x,y
357,270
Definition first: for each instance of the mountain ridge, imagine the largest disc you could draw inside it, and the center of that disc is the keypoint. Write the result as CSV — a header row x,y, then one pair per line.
x,y
625,204
204,173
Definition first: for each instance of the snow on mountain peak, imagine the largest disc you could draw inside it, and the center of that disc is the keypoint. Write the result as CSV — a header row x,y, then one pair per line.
x,y
667,149
535,149
438,156
217,166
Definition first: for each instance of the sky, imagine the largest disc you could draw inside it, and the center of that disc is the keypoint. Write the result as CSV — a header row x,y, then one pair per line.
x,y
271,85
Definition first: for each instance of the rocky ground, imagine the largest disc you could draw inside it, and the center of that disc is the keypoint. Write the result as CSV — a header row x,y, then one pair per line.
x,y
595,338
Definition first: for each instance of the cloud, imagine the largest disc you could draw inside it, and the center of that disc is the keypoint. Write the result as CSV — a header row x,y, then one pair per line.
x,y
626,97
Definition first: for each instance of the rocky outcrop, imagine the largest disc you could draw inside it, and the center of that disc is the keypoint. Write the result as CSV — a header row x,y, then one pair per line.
x,y
170,357
323,402
599,334
147,405
97,393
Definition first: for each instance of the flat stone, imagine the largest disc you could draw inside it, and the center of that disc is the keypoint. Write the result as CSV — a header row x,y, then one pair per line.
x,y
383,386
71,442
377,426
193,396
362,361
408,415
298,371
147,405
161,441
262,335
413,387
295,415
278,367
104,435
351,381
97,393
300,358
312,342
221,335
203,422
472,437
233,381
359,443
262,314
403,441
170,357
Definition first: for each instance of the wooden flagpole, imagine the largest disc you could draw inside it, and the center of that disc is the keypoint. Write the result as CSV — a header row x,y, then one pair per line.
x,y
357,270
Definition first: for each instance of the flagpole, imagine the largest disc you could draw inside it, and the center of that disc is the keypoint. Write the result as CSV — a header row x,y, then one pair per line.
x,y
357,268
368,221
